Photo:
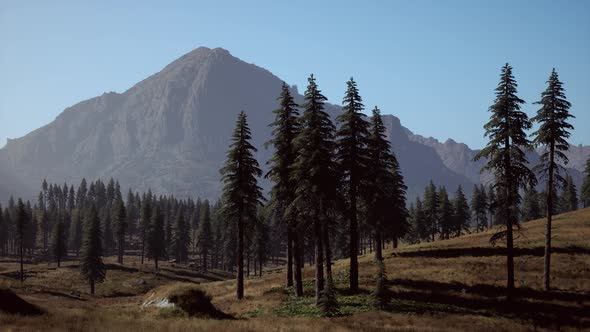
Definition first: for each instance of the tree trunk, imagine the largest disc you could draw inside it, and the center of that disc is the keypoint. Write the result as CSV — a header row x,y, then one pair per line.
x,y
289,256
22,274
91,286
354,265
328,253
142,245
319,260
298,264
547,260
240,276
156,262
378,247
509,235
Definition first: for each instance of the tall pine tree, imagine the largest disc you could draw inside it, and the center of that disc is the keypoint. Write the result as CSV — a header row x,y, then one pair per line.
x,y
505,157
58,242
241,193
285,130
585,191
314,173
552,135
92,267
352,157
155,243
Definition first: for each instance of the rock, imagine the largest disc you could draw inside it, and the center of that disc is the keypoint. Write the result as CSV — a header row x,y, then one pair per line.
x,y
141,281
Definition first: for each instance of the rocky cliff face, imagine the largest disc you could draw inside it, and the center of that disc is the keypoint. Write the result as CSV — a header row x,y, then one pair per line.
x,y
170,132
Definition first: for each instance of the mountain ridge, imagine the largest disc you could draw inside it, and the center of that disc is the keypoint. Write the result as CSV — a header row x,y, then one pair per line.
x,y
169,133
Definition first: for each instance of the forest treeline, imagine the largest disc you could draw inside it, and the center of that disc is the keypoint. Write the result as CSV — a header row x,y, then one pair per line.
x,y
337,192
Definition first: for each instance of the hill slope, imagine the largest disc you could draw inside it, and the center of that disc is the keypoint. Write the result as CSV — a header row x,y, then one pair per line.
x,y
455,284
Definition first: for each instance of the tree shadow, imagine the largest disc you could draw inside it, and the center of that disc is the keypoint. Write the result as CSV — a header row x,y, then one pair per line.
x,y
489,251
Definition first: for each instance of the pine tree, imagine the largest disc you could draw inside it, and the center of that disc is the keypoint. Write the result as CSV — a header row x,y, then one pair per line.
x,y
3,233
492,206
352,157
58,242
155,242
21,221
552,135
479,208
92,267
204,235
384,188
146,217
505,157
461,213
285,130
314,173
530,205
75,233
585,191
445,213
241,193
120,225
431,209
420,221
569,198
108,242
181,238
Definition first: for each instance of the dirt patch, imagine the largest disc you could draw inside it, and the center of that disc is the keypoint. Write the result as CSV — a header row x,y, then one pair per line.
x,y
13,304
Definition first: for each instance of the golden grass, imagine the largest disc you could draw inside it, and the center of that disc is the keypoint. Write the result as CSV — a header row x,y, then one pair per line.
x,y
455,284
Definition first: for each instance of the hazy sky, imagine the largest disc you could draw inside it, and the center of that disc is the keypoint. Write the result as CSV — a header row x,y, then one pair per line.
x,y
434,64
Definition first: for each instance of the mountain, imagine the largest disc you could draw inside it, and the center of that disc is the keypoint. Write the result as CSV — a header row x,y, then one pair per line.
x,y
170,132
458,157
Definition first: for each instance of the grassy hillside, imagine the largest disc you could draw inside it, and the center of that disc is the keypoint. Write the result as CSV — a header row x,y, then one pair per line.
x,y
455,284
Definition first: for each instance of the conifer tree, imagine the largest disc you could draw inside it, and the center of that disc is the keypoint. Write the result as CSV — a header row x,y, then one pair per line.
x,y
530,205
204,234
461,213
181,238
21,222
146,217
492,205
58,242
431,209
241,193
585,191
285,130
352,157
92,267
3,233
75,233
445,213
108,241
479,208
569,197
120,224
506,159
420,222
384,188
552,135
314,173
155,242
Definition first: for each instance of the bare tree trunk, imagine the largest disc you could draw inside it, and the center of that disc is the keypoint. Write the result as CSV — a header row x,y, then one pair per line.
x,y
509,236
354,240
240,277
298,264
547,260
319,260
289,256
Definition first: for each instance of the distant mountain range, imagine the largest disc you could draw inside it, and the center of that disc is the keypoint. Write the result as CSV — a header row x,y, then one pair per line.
x,y
170,132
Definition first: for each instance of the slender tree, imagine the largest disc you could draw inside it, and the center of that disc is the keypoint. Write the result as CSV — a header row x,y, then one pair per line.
x,y
146,217
204,234
314,173
569,197
181,238
120,224
585,191
241,193
92,267
552,135
431,210
461,213
479,208
445,213
21,222
58,242
530,205
505,157
155,244
352,157
285,130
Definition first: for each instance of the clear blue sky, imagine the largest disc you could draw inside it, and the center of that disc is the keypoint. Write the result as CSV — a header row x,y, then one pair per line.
x,y
434,64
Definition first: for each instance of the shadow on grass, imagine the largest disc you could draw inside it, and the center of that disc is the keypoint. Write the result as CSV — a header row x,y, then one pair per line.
x,y
428,296
489,251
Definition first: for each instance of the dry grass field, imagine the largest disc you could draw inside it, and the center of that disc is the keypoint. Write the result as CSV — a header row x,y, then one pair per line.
x,y
446,285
